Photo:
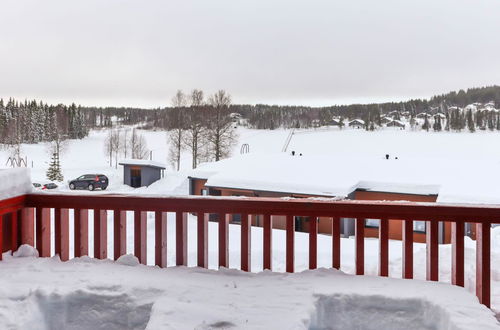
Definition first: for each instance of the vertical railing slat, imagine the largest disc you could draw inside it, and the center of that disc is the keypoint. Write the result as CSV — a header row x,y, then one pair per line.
x,y
246,242
202,230
457,253
407,249
43,231
290,243
336,253
161,239
383,237
100,234
61,224
140,236
14,237
359,230
28,226
313,242
483,254
268,242
432,250
119,233
81,232
224,240
181,239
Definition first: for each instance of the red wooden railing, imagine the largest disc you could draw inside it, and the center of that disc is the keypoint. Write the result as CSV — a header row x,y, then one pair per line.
x,y
34,213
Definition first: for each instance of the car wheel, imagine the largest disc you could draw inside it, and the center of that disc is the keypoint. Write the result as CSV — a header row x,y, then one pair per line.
x,y
91,187
71,186
104,187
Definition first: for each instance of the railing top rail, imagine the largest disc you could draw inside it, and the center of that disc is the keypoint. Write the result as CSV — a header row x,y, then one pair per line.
x,y
273,206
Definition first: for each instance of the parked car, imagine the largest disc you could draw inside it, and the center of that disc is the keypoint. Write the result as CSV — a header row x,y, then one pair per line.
x,y
50,185
90,182
44,186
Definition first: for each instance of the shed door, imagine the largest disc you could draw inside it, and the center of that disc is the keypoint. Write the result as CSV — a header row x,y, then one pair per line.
x,y
135,177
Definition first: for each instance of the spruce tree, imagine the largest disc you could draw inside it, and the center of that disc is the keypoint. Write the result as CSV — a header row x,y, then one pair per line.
x,y
426,124
470,122
54,172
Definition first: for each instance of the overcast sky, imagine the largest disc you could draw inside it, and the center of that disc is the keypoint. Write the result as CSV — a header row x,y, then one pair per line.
x,y
139,52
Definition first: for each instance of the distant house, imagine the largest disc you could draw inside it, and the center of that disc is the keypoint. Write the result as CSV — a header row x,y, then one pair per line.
x,y
357,123
423,115
385,120
316,123
395,123
440,116
336,122
276,176
140,173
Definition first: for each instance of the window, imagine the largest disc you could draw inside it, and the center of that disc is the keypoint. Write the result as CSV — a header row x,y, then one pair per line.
x,y
419,226
372,223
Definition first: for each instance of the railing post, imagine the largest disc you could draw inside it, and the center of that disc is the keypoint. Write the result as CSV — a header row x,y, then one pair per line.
x,y
432,247
246,243
1,237
119,233
61,223
14,237
383,237
140,235
457,253
28,226
224,240
161,239
359,230
313,242
407,249
483,233
202,229
268,242
336,253
43,231
290,243
181,239
81,231
100,234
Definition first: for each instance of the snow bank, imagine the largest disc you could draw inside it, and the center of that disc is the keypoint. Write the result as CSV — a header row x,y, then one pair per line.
x,y
25,251
15,182
105,295
128,260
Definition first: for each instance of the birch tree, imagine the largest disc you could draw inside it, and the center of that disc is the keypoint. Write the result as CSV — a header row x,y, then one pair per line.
x,y
175,136
220,132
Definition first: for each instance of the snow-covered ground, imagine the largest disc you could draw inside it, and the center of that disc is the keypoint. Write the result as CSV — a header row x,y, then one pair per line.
x,y
420,152
39,294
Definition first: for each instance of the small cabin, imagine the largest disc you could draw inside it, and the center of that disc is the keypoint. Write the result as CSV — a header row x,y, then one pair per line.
x,y
357,123
141,173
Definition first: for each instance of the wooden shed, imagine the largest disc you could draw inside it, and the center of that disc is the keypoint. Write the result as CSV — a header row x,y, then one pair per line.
x,y
140,173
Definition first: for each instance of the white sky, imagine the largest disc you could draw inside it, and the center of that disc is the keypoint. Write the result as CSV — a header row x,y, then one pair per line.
x,y
138,53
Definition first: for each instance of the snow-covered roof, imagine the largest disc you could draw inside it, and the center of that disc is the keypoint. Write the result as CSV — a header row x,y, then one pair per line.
x,y
399,188
314,175
357,121
142,162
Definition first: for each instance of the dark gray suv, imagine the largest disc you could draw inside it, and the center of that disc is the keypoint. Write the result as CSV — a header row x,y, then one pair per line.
x,y
90,182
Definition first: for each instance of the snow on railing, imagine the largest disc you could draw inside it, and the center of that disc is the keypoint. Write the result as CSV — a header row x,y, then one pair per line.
x,y
27,220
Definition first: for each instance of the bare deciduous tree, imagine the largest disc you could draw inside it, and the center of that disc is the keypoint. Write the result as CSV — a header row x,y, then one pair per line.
x,y
220,132
175,136
195,127
138,145
112,146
